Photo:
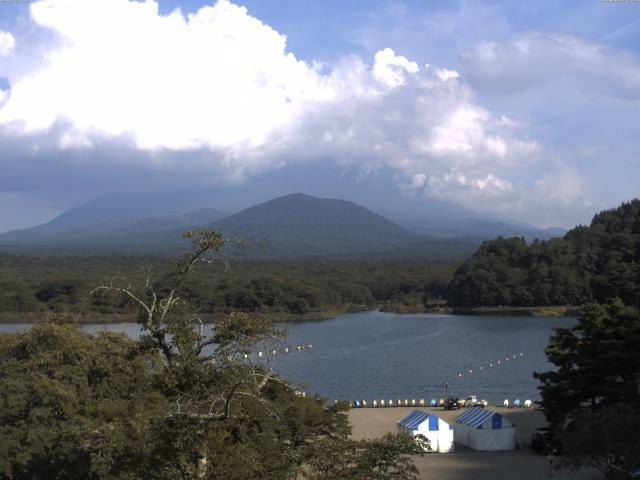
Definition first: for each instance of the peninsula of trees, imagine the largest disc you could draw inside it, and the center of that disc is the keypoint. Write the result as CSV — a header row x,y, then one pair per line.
x,y
590,263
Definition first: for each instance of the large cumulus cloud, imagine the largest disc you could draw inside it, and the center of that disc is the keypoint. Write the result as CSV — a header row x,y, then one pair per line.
x,y
217,94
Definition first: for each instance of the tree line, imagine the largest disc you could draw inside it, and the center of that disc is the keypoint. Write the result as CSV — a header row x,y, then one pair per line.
x,y
590,263
42,284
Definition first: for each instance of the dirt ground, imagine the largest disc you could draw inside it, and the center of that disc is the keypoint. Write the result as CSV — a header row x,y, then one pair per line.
x,y
464,464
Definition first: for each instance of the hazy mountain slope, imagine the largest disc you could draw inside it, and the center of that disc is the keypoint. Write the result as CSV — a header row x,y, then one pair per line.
x,y
480,228
302,224
157,233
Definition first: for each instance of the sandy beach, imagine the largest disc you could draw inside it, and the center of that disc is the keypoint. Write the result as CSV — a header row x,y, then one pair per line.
x,y
522,464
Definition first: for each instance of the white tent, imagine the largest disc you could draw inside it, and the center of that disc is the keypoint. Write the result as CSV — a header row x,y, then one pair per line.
x,y
481,429
437,431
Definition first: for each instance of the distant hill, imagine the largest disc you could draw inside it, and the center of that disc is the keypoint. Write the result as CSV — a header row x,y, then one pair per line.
x,y
594,262
479,228
133,235
293,226
299,224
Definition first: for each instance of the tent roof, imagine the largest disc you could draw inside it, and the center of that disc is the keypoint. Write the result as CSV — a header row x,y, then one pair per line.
x,y
479,417
417,417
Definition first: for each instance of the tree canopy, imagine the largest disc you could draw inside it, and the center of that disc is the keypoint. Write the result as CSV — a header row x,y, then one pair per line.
x,y
183,402
591,263
592,399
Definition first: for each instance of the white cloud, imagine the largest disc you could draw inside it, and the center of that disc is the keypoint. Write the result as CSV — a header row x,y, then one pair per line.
x,y
565,62
391,69
445,74
7,43
217,92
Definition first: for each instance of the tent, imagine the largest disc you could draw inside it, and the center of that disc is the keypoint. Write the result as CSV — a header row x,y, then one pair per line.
x,y
437,431
484,430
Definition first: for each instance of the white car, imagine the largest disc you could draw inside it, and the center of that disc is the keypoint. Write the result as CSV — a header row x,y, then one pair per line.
x,y
472,401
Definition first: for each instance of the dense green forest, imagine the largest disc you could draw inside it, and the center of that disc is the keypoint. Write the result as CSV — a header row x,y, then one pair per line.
x,y
33,285
590,263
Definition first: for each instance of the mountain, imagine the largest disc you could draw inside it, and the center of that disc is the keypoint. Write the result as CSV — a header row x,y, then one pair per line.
x,y
293,226
299,224
480,228
131,234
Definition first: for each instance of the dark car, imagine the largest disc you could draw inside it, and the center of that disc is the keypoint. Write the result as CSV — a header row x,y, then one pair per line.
x,y
452,403
544,442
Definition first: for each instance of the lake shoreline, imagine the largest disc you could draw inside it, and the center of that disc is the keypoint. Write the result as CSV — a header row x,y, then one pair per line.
x,y
114,318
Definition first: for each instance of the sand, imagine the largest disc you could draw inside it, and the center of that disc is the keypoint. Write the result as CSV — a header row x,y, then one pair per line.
x,y
466,464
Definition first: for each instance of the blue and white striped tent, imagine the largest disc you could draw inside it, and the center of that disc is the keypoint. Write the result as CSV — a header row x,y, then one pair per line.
x,y
437,431
481,429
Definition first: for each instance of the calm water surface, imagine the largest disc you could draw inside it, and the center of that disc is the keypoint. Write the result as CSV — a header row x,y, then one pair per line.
x,y
375,355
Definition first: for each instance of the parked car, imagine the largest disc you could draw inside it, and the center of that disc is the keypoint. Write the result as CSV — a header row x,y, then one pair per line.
x,y
472,401
544,442
452,403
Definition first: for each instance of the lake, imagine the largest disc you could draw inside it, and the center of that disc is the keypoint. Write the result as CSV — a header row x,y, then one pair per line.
x,y
377,355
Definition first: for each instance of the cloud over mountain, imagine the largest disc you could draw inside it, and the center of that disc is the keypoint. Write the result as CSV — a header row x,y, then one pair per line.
x,y
217,94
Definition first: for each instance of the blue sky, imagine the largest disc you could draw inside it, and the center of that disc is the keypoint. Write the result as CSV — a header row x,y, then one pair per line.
x,y
522,110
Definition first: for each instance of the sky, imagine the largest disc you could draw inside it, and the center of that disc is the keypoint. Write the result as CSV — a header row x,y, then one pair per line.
x,y
517,110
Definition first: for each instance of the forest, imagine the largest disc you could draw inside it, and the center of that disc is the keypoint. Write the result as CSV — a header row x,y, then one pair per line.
x,y
590,263
31,286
